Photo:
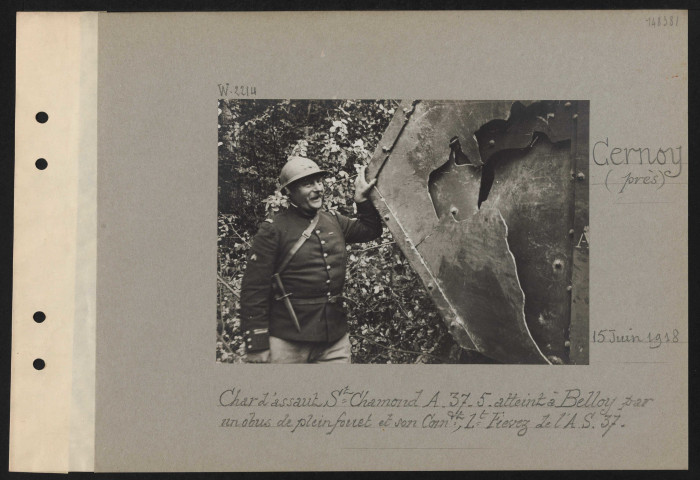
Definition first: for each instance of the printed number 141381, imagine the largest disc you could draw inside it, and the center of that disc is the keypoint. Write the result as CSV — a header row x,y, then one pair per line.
x,y
662,21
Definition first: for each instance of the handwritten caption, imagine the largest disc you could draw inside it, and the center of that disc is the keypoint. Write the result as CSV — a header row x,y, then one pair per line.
x,y
658,165
456,413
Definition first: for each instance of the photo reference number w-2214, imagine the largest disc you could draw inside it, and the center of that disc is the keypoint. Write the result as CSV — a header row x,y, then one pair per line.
x,y
662,21
227,90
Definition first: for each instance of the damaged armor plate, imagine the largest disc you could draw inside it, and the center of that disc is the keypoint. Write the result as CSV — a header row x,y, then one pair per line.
x,y
489,202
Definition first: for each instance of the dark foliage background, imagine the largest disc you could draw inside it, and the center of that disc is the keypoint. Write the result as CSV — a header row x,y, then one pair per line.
x,y
391,317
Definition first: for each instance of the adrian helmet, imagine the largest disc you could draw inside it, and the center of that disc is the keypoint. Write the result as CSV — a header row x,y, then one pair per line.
x,y
297,168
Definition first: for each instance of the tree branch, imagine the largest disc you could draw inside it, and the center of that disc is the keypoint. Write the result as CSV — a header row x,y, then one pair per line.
x,y
239,236
228,286
223,342
410,352
398,303
373,247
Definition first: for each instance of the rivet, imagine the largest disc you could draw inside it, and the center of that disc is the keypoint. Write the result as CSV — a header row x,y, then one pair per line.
x,y
571,232
430,286
554,360
567,104
492,142
454,210
568,288
567,344
385,149
580,176
550,115
574,116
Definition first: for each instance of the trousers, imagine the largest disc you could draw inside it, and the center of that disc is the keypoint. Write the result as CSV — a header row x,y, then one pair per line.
x,y
288,351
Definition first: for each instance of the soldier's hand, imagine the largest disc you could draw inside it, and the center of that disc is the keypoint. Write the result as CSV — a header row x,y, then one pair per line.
x,y
262,356
362,188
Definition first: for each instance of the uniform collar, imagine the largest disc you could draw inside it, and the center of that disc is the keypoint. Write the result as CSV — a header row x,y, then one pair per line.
x,y
294,208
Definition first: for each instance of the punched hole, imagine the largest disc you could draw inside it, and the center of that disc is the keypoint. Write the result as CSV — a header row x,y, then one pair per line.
x,y
39,317
42,117
39,364
41,163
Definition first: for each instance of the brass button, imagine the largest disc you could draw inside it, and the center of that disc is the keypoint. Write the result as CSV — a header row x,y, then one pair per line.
x,y
318,231
328,267
323,242
328,281
325,255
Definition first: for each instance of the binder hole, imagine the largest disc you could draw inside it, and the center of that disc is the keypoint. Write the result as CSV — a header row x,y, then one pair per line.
x,y
39,364
42,117
41,164
39,317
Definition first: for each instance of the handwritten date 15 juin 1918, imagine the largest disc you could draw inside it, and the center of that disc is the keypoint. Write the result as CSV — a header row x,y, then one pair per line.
x,y
653,339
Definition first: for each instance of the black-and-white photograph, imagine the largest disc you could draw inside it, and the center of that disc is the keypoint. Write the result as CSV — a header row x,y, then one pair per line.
x,y
403,231
214,193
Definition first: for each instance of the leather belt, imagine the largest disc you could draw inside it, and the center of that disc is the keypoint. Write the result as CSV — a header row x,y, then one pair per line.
x,y
316,300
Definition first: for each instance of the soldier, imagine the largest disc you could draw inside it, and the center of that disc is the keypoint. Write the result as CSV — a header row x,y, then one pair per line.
x,y
291,308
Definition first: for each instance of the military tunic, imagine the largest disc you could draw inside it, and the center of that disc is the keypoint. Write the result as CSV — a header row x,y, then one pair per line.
x,y
314,277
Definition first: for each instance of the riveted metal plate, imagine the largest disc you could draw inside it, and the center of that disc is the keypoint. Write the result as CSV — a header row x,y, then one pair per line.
x,y
480,196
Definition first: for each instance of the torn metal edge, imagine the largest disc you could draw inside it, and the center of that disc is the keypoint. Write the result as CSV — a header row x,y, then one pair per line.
x,y
405,241
515,270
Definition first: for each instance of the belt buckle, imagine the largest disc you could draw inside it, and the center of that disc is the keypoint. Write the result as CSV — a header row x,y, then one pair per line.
x,y
335,299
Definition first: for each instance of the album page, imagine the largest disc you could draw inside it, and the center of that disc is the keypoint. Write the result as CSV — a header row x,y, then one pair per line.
x,y
473,223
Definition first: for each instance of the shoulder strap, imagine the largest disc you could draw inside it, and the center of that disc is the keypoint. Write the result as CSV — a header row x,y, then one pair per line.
x,y
295,248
